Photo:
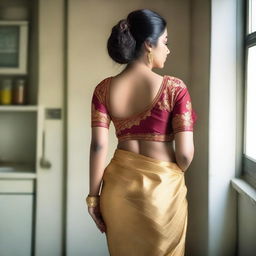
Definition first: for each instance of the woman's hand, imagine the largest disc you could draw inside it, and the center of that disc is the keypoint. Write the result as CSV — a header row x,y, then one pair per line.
x,y
97,217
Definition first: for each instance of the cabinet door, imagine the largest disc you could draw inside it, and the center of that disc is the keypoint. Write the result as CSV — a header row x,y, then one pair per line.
x,y
16,224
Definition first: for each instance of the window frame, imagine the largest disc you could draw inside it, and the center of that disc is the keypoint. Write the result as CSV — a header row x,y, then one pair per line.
x,y
248,164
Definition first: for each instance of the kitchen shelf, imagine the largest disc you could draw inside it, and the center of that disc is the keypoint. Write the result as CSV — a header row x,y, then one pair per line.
x,y
11,167
22,108
17,175
18,138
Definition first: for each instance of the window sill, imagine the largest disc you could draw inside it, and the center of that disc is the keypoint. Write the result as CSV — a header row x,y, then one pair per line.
x,y
244,188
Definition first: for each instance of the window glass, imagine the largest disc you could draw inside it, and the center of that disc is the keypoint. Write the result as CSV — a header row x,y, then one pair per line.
x,y
9,46
252,16
250,117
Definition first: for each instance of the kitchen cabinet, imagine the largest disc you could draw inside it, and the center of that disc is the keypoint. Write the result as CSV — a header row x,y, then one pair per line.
x,y
31,141
16,216
19,133
18,138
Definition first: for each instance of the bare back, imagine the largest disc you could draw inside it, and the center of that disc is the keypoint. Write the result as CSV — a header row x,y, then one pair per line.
x,y
130,95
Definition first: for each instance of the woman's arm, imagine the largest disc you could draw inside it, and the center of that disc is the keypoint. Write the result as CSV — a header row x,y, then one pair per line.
x,y
98,153
183,120
184,149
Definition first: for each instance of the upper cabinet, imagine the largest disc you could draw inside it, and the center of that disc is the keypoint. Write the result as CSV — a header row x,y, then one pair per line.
x,y
18,52
13,47
20,123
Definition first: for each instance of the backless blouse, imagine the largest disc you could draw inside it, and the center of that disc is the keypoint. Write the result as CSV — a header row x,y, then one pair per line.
x,y
170,112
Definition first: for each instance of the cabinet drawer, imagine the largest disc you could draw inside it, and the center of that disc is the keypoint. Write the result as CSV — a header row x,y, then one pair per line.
x,y
16,218
16,186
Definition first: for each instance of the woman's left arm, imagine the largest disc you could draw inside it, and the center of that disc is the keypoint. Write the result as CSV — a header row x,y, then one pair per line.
x,y
98,153
100,122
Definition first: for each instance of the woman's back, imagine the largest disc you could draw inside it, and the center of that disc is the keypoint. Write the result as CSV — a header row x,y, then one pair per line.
x,y
142,184
130,94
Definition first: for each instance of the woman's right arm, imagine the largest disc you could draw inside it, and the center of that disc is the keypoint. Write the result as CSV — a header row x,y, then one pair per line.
x,y
184,149
183,120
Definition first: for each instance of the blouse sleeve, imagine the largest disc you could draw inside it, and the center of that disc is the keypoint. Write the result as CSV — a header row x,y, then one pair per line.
x,y
183,116
99,112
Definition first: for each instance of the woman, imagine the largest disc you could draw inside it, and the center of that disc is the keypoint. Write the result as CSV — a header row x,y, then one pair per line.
x,y
142,206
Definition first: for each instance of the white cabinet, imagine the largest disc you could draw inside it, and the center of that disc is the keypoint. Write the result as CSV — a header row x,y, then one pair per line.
x,y
32,137
16,217
18,138
20,143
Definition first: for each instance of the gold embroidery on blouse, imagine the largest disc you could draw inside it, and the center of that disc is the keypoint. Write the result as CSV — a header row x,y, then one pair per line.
x,y
147,136
98,116
176,82
169,93
166,103
128,123
100,91
184,119
189,105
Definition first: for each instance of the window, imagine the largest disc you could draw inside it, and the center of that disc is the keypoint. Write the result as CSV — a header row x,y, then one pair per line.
x,y
249,147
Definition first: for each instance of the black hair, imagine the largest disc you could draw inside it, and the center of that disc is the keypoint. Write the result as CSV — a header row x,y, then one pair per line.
x,y
127,37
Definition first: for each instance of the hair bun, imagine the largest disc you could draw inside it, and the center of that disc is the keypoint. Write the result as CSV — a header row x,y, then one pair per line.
x,y
125,43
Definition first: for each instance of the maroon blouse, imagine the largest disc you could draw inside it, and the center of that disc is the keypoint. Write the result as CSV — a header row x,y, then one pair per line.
x,y
170,112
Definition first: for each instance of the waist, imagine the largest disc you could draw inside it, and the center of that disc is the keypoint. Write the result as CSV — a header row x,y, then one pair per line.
x,y
163,151
129,158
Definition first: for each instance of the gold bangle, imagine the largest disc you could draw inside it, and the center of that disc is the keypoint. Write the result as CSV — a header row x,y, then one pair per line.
x,y
92,201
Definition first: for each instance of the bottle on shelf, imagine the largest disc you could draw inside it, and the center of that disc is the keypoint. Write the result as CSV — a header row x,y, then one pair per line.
x,y
6,92
19,92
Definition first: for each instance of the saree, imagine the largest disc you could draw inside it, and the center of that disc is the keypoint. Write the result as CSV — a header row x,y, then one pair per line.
x,y
144,206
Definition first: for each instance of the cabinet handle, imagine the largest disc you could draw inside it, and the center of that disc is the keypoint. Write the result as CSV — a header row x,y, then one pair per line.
x,y
44,163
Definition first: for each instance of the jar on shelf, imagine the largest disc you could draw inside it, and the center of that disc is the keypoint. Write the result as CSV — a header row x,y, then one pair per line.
x,y
19,92
6,92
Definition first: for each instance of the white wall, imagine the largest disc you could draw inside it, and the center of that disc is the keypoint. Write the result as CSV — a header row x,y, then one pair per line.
x,y
246,226
197,175
222,129
50,182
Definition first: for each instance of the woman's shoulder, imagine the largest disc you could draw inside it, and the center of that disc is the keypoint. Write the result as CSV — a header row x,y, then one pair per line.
x,y
101,85
175,81
175,84
100,89
103,81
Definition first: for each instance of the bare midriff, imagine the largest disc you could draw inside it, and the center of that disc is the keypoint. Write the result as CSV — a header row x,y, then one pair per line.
x,y
155,149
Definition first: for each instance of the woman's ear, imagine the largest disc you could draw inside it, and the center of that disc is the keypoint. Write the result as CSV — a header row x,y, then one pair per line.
x,y
147,45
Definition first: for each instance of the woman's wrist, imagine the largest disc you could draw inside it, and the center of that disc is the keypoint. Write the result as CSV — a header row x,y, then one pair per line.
x,y
92,200
93,194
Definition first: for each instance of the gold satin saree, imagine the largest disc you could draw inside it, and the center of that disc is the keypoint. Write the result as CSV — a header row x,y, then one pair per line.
x,y
144,206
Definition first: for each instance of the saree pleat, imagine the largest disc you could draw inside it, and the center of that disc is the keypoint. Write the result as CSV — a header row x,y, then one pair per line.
x,y
144,206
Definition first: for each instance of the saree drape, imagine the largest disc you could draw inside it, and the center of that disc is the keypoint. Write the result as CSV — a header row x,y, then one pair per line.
x,y
144,206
